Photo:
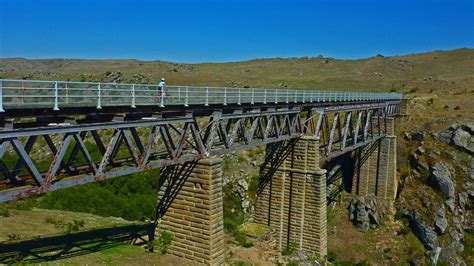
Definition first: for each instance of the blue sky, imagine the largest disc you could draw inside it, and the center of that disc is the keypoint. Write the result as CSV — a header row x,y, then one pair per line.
x,y
217,31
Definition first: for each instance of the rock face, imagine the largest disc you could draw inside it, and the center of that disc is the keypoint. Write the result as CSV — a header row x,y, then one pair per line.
x,y
441,179
424,232
462,140
441,223
365,214
460,136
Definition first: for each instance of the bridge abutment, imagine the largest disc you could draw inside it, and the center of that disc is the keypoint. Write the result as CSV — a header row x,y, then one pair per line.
x,y
292,195
192,209
375,172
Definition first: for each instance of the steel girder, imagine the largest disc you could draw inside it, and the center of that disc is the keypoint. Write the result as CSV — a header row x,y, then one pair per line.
x,y
38,160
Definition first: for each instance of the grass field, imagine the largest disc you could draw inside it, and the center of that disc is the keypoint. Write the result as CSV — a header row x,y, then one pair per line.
x,y
434,70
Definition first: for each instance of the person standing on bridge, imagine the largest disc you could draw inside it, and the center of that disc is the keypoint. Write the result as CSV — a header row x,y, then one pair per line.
x,y
161,91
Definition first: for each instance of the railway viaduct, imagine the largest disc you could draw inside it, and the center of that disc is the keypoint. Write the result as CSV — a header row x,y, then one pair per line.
x,y
87,132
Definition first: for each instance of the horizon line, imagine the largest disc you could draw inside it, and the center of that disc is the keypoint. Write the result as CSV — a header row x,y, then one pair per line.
x,y
237,61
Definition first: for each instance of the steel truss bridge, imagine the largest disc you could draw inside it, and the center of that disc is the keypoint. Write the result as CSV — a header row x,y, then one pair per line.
x,y
56,134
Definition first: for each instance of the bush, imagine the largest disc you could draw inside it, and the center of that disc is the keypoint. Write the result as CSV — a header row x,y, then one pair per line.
x,y
162,243
290,249
13,237
74,226
332,256
57,223
4,212
132,197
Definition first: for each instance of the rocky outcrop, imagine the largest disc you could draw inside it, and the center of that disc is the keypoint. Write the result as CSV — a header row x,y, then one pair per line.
x,y
442,180
441,223
365,214
423,232
463,140
460,136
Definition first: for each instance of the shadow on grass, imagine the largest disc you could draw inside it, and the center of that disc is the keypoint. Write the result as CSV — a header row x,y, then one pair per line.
x,y
74,244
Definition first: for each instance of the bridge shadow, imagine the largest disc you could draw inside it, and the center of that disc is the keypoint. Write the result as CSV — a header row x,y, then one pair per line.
x,y
172,179
74,244
275,154
346,169
339,176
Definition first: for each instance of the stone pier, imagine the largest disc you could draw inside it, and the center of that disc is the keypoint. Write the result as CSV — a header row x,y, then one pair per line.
x,y
375,172
195,212
292,197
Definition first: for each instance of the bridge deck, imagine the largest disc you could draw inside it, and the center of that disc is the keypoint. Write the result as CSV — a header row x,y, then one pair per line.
x,y
57,95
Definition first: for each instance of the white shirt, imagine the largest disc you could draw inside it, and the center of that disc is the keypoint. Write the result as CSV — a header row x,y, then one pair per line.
x,y
161,85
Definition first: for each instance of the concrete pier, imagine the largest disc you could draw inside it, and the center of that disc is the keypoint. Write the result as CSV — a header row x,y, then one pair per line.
x,y
376,167
292,198
195,213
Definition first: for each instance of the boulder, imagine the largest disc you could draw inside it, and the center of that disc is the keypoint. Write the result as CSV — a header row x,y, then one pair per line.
x,y
463,140
358,214
424,232
243,184
420,150
365,214
441,179
441,223
444,136
463,200
450,203
469,127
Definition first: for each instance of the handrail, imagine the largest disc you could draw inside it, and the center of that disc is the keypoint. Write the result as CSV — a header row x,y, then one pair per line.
x,y
59,94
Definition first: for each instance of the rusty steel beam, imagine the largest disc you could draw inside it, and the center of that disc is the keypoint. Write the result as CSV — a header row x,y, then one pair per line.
x,y
157,142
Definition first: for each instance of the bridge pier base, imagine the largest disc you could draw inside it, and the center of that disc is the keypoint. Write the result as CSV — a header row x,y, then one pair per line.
x,y
292,195
375,172
191,209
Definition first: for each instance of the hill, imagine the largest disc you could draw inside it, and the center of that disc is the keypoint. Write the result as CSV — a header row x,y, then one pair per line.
x,y
434,70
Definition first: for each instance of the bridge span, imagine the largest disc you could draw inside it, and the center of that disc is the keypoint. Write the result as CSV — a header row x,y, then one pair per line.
x,y
58,134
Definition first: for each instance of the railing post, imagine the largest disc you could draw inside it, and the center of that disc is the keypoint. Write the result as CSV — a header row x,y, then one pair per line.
x,y
162,98
1,96
276,95
207,97
238,101
304,96
56,104
265,96
133,96
253,95
311,97
296,96
67,93
99,104
186,100
287,96
225,96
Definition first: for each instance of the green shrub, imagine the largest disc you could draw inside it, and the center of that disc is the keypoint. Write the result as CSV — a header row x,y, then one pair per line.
x,y
332,256
134,194
290,249
4,212
74,226
162,243
13,237
57,223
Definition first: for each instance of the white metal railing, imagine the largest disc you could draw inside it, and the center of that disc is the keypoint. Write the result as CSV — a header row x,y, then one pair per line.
x,y
58,94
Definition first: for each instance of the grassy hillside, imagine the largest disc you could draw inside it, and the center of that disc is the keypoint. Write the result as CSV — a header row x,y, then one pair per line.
x,y
434,70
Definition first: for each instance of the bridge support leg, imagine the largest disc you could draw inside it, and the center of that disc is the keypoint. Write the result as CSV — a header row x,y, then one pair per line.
x,y
191,209
375,170
292,195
